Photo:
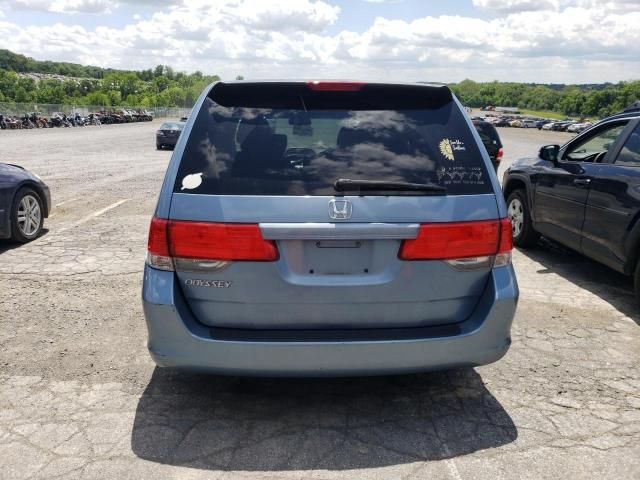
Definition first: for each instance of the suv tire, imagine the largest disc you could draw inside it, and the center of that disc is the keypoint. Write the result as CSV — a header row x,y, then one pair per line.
x,y
524,234
27,215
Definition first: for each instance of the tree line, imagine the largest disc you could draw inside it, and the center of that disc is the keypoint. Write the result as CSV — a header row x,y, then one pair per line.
x,y
598,100
163,87
73,84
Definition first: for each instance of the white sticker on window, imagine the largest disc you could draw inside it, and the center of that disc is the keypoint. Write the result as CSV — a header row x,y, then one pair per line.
x,y
191,181
460,176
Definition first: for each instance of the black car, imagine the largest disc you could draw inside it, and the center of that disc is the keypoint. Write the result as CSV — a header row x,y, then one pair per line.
x,y
501,122
168,134
584,194
490,140
560,126
25,202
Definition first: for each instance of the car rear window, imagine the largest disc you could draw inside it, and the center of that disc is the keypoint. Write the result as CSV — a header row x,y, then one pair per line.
x,y
488,133
294,139
172,126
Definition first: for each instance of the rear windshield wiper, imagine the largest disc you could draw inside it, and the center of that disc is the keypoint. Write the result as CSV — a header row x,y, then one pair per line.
x,y
347,184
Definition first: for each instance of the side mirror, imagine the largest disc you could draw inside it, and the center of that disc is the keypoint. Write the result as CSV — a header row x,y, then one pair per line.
x,y
550,153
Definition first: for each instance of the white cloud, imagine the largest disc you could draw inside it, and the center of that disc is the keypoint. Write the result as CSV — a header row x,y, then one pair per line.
x,y
64,6
514,6
278,14
97,7
291,40
517,5
610,5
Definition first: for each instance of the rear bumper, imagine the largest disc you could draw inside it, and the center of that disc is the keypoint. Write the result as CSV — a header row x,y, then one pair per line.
x,y
168,141
176,339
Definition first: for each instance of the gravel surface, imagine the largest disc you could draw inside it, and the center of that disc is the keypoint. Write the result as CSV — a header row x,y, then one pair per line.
x,y
80,397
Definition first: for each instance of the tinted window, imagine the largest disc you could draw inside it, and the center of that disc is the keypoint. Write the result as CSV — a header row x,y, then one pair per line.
x,y
488,133
282,143
172,126
630,153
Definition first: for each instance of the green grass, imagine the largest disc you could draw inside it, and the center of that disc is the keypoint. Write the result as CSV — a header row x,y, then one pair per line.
x,y
543,114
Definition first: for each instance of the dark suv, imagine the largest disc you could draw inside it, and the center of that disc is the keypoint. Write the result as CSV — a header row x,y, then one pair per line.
x,y
490,140
584,194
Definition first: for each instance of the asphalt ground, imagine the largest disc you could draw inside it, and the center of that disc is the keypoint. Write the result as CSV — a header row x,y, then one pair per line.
x,y
80,397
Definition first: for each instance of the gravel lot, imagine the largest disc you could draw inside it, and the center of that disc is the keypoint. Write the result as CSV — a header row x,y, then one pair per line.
x,y
80,397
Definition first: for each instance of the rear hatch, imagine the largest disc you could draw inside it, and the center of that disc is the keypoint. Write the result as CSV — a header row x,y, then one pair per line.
x,y
331,205
171,130
489,137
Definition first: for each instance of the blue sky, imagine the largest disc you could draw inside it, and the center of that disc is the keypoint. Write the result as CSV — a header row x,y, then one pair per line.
x,y
550,41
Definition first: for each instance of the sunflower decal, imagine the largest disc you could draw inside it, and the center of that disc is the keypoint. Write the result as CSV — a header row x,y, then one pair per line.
x,y
446,149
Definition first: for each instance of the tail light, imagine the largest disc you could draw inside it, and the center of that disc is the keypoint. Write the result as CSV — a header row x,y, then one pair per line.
x,y
172,240
158,255
463,245
499,154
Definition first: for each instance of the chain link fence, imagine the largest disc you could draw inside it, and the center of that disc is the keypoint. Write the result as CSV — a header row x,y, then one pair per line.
x,y
11,109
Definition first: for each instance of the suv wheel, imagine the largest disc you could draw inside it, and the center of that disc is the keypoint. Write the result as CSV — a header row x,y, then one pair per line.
x,y
518,210
27,216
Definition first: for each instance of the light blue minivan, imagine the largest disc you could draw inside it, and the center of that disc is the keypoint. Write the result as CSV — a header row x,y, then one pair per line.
x,y
329,228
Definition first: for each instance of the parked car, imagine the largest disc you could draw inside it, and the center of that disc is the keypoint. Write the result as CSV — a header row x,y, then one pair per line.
x,y
377,244
501,122
516,123
548,126
168,134
560,126
528,123
578,127
25,201
583,194
491,141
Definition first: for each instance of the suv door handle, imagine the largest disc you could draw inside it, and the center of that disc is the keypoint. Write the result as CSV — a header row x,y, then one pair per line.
x,y
582,182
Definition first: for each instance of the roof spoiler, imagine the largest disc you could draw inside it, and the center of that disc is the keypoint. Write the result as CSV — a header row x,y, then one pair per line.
x,y
330,95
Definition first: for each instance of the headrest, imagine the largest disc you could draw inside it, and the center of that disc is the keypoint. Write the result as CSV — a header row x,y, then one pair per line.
x,y
257,138
348,137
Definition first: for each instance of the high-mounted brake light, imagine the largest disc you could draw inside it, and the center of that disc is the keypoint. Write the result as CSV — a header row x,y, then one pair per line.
x,y
171,240
464,243
324,86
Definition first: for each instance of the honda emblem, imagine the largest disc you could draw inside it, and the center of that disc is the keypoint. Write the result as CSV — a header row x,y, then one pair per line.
x,y
340,209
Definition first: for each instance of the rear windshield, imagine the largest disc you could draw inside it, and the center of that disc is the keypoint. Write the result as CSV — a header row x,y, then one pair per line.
x,y
172,126
488,133
286,139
